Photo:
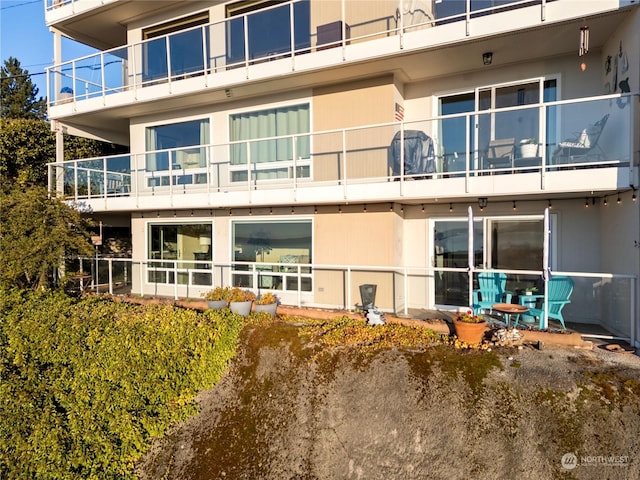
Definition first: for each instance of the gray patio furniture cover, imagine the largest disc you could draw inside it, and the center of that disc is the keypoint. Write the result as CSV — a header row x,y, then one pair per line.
x,y
419,158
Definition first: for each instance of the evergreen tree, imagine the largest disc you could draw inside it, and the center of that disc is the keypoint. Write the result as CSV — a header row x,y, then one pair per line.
x,y
36,232
18,94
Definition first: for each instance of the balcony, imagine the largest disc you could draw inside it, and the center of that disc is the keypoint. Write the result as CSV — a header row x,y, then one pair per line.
x,y
453,156
238,49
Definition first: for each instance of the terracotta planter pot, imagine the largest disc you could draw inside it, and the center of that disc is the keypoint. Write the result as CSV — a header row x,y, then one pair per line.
x,y
216,304
241,308
469,332
269,308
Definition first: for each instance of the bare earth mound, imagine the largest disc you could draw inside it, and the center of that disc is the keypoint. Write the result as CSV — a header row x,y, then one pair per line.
x,y
288,409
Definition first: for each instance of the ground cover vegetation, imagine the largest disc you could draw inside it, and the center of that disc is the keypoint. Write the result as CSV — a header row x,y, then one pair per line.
x,y
87,383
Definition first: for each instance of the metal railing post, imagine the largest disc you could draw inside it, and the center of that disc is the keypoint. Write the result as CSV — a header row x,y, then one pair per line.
x,y
110,264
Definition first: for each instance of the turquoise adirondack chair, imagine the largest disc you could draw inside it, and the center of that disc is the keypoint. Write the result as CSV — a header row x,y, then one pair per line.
x,y
491,290
559,292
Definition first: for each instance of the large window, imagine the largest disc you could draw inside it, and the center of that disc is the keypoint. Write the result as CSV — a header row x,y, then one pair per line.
x,y
182,250
499,243
177,147
278,247
268,29
502,124
180,53
255,146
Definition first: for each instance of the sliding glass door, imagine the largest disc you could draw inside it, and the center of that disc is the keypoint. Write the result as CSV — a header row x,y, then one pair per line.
x,y
501,243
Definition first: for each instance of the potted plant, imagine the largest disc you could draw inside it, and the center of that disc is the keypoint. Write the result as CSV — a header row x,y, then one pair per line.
x,y
240,300
217,298
530,290
528,147
267,302
469,328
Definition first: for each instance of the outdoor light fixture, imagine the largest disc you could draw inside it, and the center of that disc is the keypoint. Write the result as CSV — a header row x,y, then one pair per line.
x,y
586,203
423,208
339,209
584,41
619,201
227,92
605,201
549,205
450,207
514,206
487,58
633,197
482,203
364,209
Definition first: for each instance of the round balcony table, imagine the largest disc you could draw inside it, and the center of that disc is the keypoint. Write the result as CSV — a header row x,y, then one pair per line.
x,y
509,309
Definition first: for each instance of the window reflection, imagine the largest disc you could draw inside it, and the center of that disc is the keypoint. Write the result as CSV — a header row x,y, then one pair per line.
x,y
287,243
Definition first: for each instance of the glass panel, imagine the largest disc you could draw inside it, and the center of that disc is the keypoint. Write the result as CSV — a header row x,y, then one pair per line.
x,y
175,136
186,52
451,247
453,131
269,32
154,58
272,242
277,122
516,244
191,241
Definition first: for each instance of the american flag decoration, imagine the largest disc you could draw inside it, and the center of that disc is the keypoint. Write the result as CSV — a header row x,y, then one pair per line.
x,y
399,112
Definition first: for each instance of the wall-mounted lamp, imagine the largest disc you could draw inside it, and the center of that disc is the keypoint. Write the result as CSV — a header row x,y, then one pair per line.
x,y
550,205
514,206
487,58
619,201
482,203
227,92
450,207
633,197
605,201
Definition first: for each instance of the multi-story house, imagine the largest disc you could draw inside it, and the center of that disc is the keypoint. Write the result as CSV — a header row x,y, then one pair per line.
x,y
313,146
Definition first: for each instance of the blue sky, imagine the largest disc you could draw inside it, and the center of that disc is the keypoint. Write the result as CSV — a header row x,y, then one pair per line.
x,y
25,36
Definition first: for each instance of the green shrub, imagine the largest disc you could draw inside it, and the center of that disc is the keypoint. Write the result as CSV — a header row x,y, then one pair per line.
x,y
87,383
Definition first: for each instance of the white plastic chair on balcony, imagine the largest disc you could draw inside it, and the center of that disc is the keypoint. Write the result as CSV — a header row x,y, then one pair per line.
x,y
583,144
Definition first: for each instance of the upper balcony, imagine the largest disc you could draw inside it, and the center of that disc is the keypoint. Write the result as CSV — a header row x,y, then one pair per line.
x,y
232,56
443,159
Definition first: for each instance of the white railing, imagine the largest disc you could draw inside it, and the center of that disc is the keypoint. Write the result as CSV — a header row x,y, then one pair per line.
x,y
230,44
377,153
606,300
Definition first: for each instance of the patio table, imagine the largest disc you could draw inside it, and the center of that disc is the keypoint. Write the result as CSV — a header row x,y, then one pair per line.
x,y
509,309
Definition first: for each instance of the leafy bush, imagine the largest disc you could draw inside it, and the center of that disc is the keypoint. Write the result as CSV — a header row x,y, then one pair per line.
x,y
237,294
267,299
217,294
87,383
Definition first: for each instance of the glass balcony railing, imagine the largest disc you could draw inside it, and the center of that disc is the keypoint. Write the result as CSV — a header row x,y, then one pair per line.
x,y
546,137
279,31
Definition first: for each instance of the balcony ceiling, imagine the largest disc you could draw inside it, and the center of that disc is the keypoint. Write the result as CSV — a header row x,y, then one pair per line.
x,y
464,58
105,27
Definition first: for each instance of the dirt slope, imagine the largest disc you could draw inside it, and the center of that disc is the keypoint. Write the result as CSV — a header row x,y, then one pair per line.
x,y
290,410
